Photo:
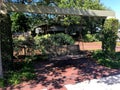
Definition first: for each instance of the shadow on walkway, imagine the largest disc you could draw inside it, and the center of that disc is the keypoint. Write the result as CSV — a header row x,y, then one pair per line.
x,y
55,73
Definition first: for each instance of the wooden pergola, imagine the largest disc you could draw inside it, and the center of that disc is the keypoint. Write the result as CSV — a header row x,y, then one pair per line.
x,y
12,7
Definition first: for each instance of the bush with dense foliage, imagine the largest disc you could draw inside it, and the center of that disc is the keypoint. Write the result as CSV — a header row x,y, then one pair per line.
x,y
102,59
109,36
23,72
23,42
49,42
90,38
20,22
108,57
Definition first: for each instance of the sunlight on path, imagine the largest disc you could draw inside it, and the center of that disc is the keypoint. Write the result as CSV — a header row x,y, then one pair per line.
x,y
106,83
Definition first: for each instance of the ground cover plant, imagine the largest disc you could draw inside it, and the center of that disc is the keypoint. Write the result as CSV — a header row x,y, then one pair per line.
x,y
106,60
24,71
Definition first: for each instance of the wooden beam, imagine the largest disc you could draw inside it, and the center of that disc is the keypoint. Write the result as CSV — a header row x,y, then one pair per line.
x,y
55,10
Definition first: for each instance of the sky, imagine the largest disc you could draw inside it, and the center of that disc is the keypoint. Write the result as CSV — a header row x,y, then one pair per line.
x,y
113,5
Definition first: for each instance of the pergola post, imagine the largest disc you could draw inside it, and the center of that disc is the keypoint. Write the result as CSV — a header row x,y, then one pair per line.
x,y
6,49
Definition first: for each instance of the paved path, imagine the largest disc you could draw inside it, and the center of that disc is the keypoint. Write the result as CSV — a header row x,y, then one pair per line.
x,y
106,83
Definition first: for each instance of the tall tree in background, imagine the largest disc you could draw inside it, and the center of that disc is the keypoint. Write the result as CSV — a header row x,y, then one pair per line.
x,y
89,22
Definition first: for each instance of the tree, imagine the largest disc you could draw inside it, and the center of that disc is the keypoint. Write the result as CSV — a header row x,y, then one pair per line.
x,y
20,22
90,22
38,19
81,4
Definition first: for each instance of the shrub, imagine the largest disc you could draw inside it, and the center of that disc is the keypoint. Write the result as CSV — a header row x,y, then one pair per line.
x,y
23,74
90,38
109,36
26,42
62,39
48,43
102,59
14,78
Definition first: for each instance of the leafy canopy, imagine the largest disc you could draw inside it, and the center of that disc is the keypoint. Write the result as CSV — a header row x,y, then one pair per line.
x,y
20,23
